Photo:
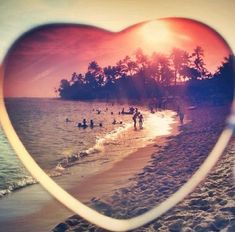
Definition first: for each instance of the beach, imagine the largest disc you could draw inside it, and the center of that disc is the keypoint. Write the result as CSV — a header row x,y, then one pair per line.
x,y
44,212
111,152
209,208
120,121
138,182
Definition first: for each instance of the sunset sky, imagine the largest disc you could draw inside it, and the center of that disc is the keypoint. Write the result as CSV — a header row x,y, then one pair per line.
x,y
41,58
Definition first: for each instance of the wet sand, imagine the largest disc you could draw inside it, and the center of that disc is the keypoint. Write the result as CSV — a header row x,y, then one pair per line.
x,y
209,208
48,212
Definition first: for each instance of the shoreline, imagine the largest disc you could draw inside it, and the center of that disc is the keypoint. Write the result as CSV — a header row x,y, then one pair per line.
x,y
120,172
206,209
99,186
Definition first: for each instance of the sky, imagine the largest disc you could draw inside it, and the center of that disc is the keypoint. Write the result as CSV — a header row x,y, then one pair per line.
x,y
42,57
17,17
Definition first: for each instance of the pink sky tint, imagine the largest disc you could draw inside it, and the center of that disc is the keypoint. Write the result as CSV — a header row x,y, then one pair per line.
x,y
42,57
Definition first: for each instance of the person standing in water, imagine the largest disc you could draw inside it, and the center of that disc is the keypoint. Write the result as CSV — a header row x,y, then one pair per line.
x,y
181,116
135,118
141,119
91,123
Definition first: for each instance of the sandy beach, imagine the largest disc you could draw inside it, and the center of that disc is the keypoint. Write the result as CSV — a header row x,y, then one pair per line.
x,y
209,208
140,181
96,110
44,212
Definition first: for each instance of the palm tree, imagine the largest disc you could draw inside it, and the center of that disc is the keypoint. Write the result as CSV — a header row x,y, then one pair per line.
x,y
190,73
179,59
73,78
185,65
225,75
64,89
161,70
142,61
129,67
94,75
80,79
90,80
111,73
93,66
198,62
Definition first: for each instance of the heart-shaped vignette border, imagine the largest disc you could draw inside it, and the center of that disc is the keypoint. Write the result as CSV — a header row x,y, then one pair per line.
x,y
92,215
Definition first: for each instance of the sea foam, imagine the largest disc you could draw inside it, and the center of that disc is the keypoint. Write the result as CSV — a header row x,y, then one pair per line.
x,y
18,185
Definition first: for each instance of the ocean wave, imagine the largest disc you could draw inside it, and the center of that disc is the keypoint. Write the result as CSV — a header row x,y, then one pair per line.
x,y
99,146
17,185
27,181
110,136
157,124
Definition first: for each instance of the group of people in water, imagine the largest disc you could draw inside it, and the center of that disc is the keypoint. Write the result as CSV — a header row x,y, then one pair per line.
x,y
136,117
85,125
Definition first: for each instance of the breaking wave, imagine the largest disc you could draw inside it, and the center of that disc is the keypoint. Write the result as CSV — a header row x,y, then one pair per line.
x,y
18,185
101,142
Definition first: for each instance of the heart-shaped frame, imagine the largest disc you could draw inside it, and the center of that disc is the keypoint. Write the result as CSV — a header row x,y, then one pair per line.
x,y
92,215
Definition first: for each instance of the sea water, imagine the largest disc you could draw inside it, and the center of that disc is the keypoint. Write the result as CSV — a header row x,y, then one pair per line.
x,y
12,173
41,126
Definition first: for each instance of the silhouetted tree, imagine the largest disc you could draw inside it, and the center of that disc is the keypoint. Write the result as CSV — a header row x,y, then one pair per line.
x,y
142,77
111,73
161,70
198,62
180,61
226,75
64,88
94,77
142,61
190,73
73,78
129,67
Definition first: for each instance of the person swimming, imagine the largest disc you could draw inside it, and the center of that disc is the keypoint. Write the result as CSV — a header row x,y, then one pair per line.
x,y
84,123
67,120
131,109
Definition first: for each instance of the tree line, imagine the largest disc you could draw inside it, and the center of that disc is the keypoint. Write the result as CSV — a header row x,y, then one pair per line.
x,y
142,77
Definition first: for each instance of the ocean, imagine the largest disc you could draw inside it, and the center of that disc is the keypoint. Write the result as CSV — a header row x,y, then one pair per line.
x,y
69,153
12,173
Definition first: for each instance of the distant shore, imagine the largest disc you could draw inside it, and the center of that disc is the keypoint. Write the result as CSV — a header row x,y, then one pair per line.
x,y
208,208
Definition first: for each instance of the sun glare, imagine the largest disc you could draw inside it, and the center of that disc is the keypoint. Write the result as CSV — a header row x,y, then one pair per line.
x,y
155,32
